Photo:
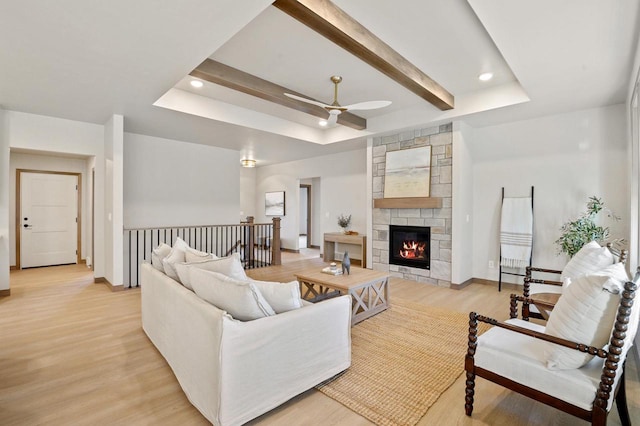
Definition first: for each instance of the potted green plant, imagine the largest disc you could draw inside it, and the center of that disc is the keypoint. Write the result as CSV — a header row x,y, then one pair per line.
x,y
344,222
578,232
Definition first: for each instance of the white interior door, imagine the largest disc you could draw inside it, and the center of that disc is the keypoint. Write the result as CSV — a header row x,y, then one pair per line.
x,y
48,222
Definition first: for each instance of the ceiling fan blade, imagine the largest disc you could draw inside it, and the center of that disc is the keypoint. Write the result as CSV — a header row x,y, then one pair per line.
x,y
309,101
368,105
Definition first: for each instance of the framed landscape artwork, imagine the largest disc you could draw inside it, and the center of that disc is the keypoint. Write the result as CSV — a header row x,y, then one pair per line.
x,y
408,173
274,203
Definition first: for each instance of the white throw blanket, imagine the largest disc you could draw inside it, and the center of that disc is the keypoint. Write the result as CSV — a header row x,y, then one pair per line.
x,y
516,232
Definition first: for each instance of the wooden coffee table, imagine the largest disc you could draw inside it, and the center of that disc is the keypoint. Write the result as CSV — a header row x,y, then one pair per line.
x,y
548,301
369,290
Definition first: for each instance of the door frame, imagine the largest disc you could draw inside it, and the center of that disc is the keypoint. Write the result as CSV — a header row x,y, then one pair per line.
x,y
19,211
93,216
308,188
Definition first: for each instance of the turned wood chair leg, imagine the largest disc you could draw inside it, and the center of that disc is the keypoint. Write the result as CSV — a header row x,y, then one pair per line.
x,y
621,403
469,392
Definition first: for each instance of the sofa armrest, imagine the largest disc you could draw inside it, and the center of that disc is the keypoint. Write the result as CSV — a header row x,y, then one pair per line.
x,y
187,331
268,361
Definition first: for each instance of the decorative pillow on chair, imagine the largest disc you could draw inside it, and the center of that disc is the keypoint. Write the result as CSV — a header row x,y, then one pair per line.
x,y
241,300
590,258
585,313
193,255
176,255
282,297
617,271
158,254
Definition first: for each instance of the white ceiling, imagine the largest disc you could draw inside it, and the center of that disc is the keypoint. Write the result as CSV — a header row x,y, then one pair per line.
x,y
86,62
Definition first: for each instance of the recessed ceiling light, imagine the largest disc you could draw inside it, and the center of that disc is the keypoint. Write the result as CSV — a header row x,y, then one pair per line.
x,y
485,76
197,84
323,123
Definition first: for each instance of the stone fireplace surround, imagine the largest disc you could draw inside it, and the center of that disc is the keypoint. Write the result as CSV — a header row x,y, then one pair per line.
x,y
440,139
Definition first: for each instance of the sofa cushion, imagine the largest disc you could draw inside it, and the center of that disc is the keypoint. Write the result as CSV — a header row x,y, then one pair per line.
x,y
282,297
584,314
590,258
158,254
176,255
193,255
241,299
230,266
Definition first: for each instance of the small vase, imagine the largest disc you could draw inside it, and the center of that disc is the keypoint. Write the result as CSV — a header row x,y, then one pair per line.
x,y
345,231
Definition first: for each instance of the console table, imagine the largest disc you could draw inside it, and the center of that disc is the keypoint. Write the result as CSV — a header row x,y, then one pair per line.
x,y
331,238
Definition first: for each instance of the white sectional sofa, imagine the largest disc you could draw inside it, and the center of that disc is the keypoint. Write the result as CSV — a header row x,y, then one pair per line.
x,y
234,371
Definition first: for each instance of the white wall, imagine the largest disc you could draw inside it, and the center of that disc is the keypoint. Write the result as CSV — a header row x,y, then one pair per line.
x,y
316,213
20,160
247,192
342,179
634,171
54,135
567,158
174,183
4,200
462,202
113,207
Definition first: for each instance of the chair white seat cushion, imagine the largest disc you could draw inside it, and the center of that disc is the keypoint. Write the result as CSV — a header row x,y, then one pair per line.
x,y
522,359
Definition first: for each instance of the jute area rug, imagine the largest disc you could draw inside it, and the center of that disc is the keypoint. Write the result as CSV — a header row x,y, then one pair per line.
x,y
402,360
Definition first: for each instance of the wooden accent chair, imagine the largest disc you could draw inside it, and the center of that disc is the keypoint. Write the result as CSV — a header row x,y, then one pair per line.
x,y
512,354
532,286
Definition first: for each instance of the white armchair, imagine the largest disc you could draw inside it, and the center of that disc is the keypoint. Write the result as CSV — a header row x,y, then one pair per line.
x,y
528,359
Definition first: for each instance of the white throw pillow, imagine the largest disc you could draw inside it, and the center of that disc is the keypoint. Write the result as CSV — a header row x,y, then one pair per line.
x,y
617,271
585,313
241,300
590,258
184,274
230,266
193,255
158,254
282,297
175,256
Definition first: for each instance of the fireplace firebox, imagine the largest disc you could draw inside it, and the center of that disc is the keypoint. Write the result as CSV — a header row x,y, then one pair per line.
x,y
410,246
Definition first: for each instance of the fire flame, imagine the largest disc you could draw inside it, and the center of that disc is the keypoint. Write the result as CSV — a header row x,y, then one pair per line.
x,y
412,250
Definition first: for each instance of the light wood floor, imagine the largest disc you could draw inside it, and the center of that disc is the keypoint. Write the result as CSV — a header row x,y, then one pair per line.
x,y
74,353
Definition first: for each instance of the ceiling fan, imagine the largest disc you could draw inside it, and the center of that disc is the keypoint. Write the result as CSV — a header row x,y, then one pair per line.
x,y
335,109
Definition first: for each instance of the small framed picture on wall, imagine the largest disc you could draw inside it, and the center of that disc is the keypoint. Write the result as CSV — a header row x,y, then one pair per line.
x,y
274,204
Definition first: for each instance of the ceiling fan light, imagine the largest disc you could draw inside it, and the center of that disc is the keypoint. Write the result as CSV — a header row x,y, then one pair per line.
x,y
197,84
485,76
247,162
323,123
